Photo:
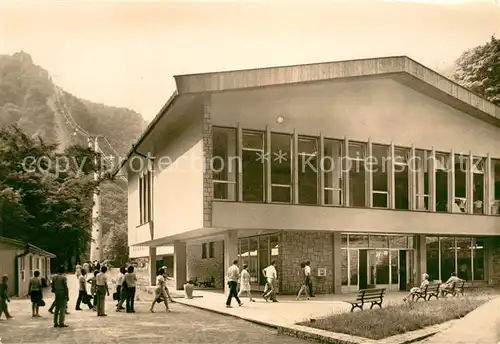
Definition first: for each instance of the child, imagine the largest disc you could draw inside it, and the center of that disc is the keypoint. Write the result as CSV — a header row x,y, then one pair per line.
x,y
93,288
4,297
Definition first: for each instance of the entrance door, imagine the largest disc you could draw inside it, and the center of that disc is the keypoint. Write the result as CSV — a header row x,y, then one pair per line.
x,y
363,269
403,272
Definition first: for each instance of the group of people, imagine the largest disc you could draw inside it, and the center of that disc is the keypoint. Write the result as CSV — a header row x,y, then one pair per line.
x,y
446,286
236,277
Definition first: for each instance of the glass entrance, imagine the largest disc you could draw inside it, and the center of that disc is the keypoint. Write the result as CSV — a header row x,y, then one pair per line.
x,y
258,252
381,261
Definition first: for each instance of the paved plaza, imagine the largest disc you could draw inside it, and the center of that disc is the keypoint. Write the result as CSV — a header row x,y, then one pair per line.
x,y
183,325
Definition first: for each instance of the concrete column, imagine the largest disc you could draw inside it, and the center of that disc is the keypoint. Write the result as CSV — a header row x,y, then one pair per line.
x,y
152,266
421,257
337,263
230,253
180,264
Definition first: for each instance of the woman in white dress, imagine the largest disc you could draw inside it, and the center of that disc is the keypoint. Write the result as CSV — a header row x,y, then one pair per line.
x,y
245,283
160,291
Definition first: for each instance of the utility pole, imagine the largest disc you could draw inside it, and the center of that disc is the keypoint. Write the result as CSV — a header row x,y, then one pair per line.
x,y
96,243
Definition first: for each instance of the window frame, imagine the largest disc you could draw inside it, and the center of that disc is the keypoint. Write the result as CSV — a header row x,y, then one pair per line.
x,y
229,183
332,190
270,161
262,152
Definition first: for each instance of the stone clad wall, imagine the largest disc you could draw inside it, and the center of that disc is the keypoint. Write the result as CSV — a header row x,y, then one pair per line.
x,y
296,247
204,269
495,261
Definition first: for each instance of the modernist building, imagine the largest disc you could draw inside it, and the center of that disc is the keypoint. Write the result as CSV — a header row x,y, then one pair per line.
x,y
375,170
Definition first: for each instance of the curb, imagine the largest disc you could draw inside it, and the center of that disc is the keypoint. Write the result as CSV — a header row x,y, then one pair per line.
x,y
257,322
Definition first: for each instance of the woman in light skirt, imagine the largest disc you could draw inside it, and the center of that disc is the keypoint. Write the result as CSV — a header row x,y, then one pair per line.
x,y
160,291
245,283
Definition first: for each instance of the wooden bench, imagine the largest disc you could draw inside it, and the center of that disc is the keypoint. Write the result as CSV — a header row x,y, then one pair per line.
x,y
430,290
455,290
374,296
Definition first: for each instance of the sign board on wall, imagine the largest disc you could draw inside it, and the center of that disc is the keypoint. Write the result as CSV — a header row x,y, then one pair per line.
x,y
321,272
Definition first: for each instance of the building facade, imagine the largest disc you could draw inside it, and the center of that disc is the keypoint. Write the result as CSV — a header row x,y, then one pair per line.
x,y
375,170
19,261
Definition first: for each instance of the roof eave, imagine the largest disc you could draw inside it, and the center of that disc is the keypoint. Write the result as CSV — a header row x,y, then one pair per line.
x,y
146,132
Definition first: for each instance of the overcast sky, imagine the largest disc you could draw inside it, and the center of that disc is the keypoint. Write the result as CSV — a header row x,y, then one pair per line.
x,y
126,53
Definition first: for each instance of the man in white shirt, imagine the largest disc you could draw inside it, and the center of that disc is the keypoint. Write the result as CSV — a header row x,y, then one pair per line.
x,y
307,271
102,291
233,275
271,278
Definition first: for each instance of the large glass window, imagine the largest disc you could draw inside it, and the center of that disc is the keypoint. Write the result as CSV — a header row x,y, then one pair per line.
x,y
462,255
464,258
252,162
432,247
478,259
447,257
258,252
441,163
308,170
421,166
357,177
460,170
478,185
332,169
378,166
401,178
224,163
495,187
281,168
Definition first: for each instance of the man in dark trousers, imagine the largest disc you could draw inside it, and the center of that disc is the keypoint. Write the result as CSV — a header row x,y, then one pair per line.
x,y
61,292
233,275
307,271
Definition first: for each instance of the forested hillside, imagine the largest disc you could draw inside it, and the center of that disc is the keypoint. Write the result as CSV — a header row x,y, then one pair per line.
x,y
28,100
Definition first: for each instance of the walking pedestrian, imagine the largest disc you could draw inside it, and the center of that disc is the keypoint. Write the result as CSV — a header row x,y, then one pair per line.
x,y
233,275
121,290
271,279
245,283
304,282
160,291
4,297
307,271
60,289
131,280
83,296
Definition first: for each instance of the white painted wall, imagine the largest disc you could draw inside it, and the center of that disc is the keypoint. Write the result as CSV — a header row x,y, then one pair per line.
x,y
382,109
178,183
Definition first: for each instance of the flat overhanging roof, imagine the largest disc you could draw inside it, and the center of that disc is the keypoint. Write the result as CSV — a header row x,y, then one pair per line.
x,y
421,77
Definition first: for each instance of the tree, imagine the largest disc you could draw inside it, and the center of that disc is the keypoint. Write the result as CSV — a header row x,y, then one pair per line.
x,y
116,245
45,195
478,69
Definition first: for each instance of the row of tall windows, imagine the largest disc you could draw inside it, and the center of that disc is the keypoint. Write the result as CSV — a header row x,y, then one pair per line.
x,y
145,197
283,168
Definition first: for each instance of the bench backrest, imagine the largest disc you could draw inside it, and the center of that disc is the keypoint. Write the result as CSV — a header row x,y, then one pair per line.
x,y
434,288
370,294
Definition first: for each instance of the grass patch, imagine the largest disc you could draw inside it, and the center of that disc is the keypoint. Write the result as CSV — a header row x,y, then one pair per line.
x,y
398,318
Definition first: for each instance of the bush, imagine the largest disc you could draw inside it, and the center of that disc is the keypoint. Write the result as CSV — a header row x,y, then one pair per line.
x,y
397,318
